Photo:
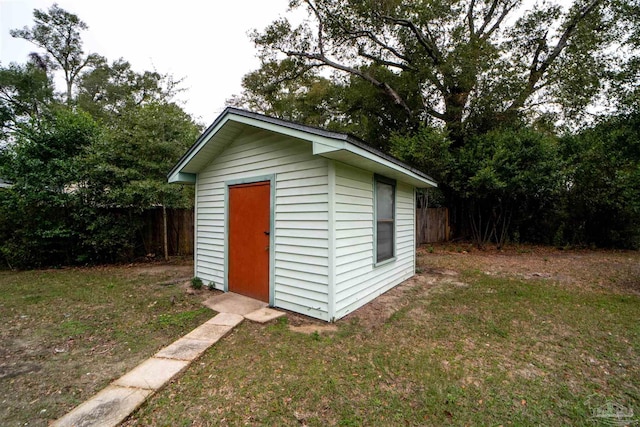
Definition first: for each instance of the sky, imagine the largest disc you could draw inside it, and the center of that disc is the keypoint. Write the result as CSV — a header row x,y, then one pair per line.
x,y
204,42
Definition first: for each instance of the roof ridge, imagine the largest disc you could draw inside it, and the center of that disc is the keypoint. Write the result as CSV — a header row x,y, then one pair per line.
x,y
346,137
352,139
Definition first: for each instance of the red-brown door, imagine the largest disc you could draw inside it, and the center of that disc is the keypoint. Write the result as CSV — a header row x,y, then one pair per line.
x,y
249,227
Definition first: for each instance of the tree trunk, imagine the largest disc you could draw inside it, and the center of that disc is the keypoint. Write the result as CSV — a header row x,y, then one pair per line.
x,y
69,91
455,104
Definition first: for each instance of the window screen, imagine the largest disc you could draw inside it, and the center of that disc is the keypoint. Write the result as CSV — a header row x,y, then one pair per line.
x,y
385,218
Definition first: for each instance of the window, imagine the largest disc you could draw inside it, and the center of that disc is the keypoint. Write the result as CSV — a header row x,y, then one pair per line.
x,y
385,196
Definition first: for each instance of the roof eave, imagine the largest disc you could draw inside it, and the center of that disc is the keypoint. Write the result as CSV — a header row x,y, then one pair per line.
x,y
325,143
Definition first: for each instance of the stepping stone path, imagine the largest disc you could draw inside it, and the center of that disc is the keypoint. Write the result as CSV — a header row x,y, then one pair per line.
x,y
122,397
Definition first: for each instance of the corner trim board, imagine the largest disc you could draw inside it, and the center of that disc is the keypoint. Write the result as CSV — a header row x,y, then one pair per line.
x,y
331,285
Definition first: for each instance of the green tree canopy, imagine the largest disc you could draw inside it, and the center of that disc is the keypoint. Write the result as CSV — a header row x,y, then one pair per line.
x,y
39,225
57,32
145,134
468,90
603,207
341,103
25,93
467,64
85,170
110,90
128,166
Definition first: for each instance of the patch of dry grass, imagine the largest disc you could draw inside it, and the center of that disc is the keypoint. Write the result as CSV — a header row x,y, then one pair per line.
x,y
611,271
67,333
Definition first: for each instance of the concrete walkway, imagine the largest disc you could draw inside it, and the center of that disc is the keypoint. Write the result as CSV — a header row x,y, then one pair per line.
x,y
118,400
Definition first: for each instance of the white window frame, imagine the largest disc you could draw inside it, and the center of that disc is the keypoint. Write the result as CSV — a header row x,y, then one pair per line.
x,y
393,184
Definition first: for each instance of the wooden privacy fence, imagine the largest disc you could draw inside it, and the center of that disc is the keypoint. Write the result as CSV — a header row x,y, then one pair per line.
x,y
179,231
432,225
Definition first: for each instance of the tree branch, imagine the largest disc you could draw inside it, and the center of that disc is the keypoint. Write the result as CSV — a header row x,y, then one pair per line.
x,y
536,55
537,72
472,31
320,26
425,41
497,24
361,33
298,74
489,16
407,67
381,85
370,36
568,32
381,61
84,63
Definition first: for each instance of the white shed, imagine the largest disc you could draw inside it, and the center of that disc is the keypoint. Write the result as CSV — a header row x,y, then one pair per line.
x,y
308,220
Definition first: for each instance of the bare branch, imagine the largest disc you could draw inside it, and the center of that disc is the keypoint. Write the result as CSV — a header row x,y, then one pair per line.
x,y
297,74
360,33
437,114
539,49
85,62
426,40
320,26
568,32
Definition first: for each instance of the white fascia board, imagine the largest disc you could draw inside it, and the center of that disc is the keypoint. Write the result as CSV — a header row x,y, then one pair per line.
x,y
182,178
391,165
175,177
325,145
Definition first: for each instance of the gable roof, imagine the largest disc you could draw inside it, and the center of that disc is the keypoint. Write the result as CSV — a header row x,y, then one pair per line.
x,y
333,145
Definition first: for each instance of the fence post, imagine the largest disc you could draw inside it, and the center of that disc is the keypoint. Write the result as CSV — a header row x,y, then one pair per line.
x,y
164,223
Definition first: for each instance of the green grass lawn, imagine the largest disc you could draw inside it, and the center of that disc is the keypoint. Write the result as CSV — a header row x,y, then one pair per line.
x,y
67,333
522,338
478,349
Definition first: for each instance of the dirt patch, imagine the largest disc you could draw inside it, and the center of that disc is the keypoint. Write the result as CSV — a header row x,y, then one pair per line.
x,y
380,310
312,329
589,269
176,270
377,312
298,320
15,369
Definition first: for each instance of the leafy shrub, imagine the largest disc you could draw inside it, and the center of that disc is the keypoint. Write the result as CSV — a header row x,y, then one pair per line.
x,y
196,283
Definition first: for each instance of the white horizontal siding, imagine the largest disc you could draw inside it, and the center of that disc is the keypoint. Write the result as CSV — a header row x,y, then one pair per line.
x,y
300,222
301,242
357,281
319,254
303,226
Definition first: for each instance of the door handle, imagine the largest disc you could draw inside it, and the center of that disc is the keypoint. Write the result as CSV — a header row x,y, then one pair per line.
x,y
267,233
